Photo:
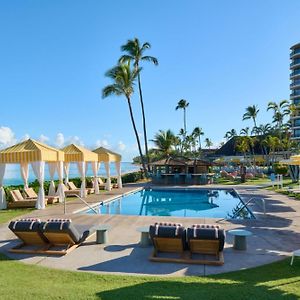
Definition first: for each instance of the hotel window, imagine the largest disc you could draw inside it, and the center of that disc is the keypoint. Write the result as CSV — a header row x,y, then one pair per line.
x,y
297,133
296,122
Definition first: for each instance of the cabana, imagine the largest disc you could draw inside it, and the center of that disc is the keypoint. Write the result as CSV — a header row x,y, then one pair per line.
x,y
108,156
81,156
36,154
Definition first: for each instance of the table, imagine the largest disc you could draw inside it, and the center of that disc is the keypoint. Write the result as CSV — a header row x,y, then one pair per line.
x,y
240,235
145,240
101,234
295,253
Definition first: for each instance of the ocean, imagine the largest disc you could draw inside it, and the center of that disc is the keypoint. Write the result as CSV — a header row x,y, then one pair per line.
x,y
12,174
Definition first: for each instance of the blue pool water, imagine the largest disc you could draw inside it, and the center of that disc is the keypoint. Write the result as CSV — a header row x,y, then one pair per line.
x,y
179,203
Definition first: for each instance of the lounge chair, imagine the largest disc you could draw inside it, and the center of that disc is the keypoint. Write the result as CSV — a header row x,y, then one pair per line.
x,y
167,237
73,187
19,201
102,185
54,237
31,194
28,231
208,240
71,193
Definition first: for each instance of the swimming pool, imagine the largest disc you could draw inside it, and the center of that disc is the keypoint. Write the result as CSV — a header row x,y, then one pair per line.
x,y
209,203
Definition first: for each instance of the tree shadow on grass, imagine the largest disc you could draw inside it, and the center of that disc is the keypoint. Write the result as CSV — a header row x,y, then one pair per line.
x,y
275,281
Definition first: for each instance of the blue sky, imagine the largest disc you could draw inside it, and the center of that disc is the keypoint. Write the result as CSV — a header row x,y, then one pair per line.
x,y
219,55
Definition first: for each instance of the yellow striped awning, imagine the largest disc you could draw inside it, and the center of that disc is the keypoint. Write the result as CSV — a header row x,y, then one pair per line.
x,y
107,155
75,153
29,151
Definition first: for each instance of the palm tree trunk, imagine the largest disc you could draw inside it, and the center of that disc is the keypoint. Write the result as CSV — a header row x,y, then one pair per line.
x,y
137,136
144,121
184,121
199,141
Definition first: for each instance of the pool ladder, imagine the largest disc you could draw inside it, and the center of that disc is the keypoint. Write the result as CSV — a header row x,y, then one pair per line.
x,y
82,200
245,206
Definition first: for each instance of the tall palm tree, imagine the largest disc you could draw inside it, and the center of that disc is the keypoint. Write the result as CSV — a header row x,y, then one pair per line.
x,y
183,104
208,143
251,113
123,82
197,133
165,141
280,110
230,134
135,52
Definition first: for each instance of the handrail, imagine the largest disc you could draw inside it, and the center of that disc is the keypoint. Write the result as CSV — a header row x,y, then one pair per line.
x,y
245,205
82,200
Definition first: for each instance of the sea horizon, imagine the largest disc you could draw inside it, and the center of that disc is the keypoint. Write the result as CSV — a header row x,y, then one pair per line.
x,y
12,174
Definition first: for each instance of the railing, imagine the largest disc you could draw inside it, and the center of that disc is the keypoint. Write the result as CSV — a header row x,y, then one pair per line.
x,y
82,200
245,206
297,51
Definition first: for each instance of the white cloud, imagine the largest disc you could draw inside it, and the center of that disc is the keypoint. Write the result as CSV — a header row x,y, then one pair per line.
x,y
43,138
60,140
7,137
75,140
121,146
25,137
102,143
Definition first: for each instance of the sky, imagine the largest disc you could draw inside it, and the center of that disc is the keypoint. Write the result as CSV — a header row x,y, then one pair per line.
x,y
221,56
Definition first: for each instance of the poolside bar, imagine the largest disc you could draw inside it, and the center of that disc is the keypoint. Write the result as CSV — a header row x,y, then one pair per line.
x,y
181,171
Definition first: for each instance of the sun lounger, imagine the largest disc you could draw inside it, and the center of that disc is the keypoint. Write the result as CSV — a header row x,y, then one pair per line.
x,y
102,185
73,187
28,231
54,237
167,237
70,193
19,201
31,194
208,240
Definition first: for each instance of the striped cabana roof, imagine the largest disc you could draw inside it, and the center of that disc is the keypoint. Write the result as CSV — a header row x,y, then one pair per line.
x,y
75,153
107,155
29,151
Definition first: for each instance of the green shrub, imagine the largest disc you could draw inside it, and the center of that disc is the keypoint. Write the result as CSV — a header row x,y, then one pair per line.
x,y
132,177
280,169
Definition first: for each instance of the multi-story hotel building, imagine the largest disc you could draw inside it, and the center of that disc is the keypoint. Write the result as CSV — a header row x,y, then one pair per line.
x,y
295,89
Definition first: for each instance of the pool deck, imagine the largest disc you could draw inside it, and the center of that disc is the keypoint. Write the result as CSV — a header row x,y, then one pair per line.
x,y
275,235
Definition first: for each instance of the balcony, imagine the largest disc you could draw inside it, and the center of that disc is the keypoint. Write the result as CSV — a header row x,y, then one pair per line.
x,y
295,53
295,74
295,64
295,85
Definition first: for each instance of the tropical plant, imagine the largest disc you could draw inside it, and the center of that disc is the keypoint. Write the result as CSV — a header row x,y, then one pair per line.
x,y
183,104
230,134
208,143
164,141
280,110
135,52
123,82
245,131
251,113
197,133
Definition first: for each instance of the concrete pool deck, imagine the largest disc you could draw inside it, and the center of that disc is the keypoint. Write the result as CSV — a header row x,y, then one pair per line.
x,y
275,235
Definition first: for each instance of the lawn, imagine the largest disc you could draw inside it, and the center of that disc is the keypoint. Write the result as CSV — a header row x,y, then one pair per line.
x,y
21,281
8,214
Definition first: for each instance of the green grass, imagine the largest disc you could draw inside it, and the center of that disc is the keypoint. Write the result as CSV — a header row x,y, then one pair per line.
x,y
8,214
21,281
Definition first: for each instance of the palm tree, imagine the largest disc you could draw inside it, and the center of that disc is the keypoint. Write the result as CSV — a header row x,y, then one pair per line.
x,y
208,143
251,113
230,134
280,110
123,82
197,132
245,131
135,52
183,104
164,141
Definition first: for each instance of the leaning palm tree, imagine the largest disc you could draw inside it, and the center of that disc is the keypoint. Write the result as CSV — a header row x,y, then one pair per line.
x,y
197,132
251,113
230,134
165,141
135,52
123,82
183,104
